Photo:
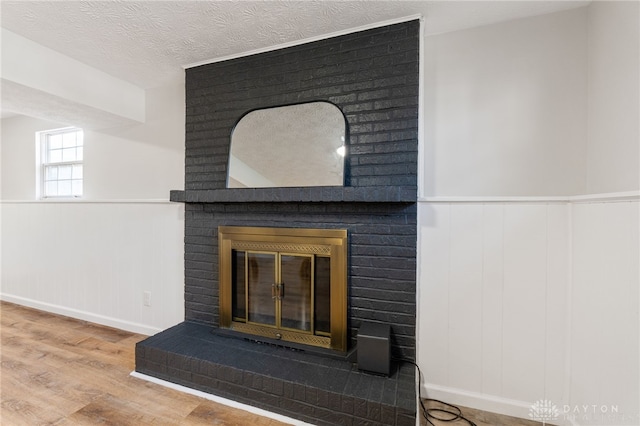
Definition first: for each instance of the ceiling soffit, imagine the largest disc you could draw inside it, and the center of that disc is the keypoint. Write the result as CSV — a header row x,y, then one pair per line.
x,y
147,42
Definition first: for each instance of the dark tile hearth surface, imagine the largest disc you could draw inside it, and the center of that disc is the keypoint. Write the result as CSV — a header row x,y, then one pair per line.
x,y
304,386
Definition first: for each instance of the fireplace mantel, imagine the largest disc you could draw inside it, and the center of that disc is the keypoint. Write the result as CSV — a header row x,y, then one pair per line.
x,y
318,194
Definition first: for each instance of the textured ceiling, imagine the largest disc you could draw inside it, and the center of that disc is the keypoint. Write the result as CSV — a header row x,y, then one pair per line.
x,y
147,43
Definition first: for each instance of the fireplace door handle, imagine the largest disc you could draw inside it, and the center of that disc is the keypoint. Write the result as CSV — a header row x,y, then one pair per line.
x,y
277,291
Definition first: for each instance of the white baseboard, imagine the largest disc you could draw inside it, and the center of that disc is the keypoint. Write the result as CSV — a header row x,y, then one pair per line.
x,y
82,315
484,402
220,400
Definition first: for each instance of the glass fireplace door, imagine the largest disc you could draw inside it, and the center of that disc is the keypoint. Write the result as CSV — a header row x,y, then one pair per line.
x,y
282,291
296,290
284,284
259,282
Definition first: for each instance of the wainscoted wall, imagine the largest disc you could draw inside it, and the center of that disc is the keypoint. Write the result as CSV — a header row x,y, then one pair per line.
x,y
523,299
530,300
94,260
493,287
605,324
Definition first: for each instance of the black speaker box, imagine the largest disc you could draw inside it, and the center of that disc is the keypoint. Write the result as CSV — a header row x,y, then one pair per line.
x,y
374,348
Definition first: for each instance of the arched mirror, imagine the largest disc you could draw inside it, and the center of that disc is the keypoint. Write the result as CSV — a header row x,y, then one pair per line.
x,y
292,145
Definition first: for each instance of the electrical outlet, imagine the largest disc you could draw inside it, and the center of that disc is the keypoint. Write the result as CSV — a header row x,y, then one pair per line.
x,y
146,296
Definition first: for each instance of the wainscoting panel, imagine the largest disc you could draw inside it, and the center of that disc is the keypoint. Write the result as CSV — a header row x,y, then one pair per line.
x,y
604,313
524,285
492,289
557,301
465,285
492,295
526,300
95,260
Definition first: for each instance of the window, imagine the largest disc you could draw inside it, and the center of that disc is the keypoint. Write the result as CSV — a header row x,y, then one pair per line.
x,y
61,171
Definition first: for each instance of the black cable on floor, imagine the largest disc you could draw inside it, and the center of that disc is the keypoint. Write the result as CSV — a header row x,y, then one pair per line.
x,y
446,412
439,410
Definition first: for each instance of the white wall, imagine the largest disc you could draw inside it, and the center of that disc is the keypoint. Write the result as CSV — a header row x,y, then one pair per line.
x,y
613,150
19,156
605,323
506,108
94,258
525,301
94,261
493,300
134,162
528,290
34,73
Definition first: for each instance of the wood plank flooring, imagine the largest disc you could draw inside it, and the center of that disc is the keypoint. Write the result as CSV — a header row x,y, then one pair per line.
x,y
480,418
57,370
62,371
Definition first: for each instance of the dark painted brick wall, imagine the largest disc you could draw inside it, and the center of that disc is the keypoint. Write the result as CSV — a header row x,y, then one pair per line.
x,y
382,247
373,77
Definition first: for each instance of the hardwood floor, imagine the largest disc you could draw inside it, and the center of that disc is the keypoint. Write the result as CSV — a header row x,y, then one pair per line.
x,y
57,370
62,371
480,418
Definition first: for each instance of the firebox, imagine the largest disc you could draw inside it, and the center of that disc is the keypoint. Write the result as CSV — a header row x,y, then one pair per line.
x,y
287,284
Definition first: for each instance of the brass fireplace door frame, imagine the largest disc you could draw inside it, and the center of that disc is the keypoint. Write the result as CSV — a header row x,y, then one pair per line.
x,y
323,242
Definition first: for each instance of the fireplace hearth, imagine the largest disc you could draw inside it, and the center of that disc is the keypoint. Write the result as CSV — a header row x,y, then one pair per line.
x,y
316,389
372,77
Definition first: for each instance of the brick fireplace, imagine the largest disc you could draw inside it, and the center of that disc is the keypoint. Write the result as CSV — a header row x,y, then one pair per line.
x,y
372,76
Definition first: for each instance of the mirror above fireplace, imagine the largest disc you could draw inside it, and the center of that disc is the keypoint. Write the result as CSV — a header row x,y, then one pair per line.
x,y
288,146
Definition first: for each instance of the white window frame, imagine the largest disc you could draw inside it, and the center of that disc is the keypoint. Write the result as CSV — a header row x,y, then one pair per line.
x,y
44,163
